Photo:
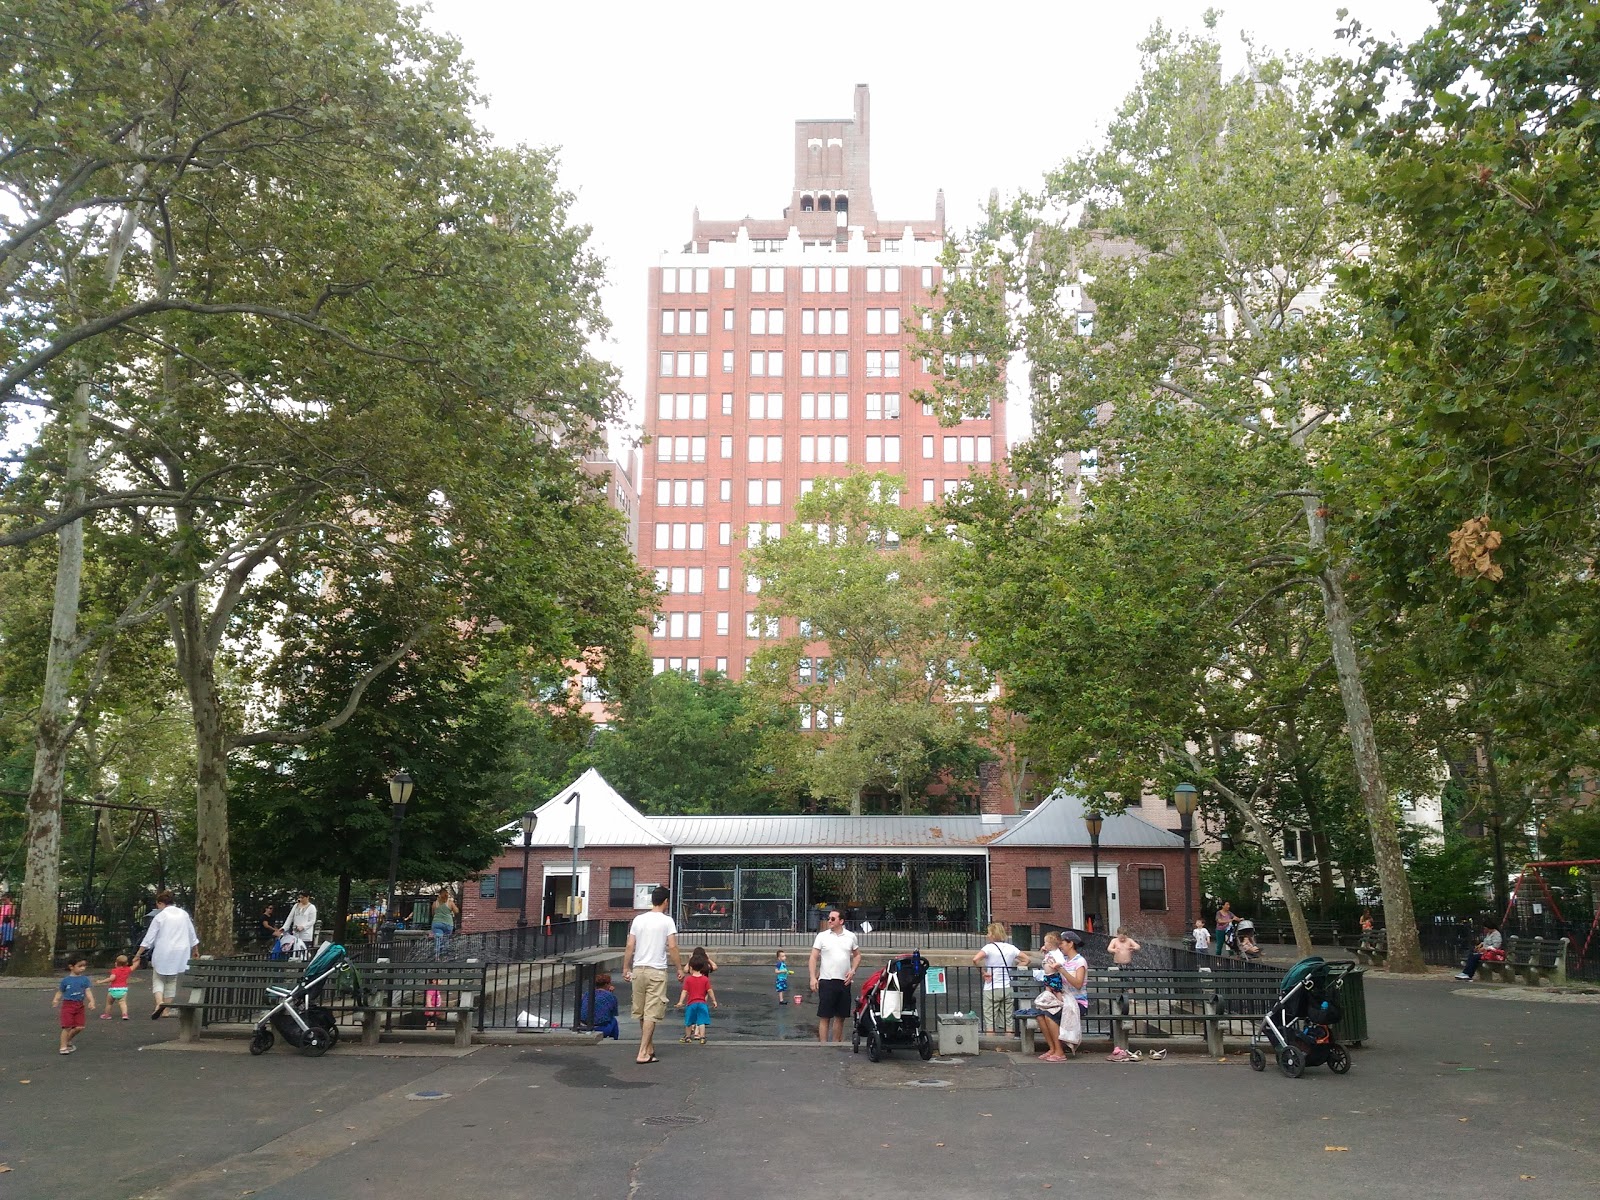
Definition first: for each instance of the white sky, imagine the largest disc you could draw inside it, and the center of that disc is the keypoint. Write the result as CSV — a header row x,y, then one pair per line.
x,y
658,108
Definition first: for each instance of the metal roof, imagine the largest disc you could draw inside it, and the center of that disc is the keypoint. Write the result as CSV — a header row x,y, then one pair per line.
x,y
809,834
609,820
1058,821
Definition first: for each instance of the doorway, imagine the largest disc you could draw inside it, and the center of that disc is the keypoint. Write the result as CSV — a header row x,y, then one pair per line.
x,y
1095,899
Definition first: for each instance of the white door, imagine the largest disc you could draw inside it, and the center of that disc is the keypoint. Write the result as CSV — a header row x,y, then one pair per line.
x,y
563,871
1082,872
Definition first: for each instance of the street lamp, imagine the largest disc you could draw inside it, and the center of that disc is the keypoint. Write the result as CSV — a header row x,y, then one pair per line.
x,y
577,807
401,785
1184,799
530,822
1094,821
1501,903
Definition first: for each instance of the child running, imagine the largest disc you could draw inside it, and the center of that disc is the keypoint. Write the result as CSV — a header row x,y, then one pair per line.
x,y
697,993
74,996
118,991
781,971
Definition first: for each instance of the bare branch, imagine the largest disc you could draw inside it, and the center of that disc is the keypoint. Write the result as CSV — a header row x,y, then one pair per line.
x,y
298,737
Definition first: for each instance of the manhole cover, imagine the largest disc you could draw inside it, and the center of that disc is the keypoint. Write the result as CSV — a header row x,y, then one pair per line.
x,y
428,1096
672,1120
933,1083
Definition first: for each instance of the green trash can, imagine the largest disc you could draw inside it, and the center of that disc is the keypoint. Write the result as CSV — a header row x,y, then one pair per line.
x,y
1351,1028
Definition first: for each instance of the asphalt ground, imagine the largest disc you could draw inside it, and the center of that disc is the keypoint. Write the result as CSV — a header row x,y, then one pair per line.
x,y
1462,1091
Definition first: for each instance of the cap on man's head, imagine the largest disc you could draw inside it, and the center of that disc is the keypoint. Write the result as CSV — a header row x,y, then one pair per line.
x,y
1073,936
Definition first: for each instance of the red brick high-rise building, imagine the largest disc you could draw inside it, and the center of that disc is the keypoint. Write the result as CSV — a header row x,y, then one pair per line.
x,y
780,353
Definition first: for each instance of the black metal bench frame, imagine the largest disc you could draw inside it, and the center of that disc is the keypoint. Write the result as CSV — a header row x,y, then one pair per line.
x,y
402,988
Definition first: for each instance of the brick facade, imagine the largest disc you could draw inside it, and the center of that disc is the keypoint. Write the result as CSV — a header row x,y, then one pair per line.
x,y
1008,886
651,864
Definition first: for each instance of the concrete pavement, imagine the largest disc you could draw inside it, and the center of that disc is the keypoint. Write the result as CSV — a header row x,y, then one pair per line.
x,y
1458,1095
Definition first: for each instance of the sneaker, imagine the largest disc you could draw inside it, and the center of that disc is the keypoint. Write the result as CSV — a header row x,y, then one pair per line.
x,y
1119,1055
69,1049
105,1016
1464,975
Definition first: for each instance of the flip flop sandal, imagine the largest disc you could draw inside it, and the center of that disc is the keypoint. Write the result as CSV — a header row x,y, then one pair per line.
x,y
1157,1055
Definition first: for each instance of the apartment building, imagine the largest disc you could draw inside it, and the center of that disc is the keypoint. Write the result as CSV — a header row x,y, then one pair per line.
x,y
781,353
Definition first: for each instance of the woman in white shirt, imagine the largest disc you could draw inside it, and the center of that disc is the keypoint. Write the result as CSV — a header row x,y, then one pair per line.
x,y
999,959
302,922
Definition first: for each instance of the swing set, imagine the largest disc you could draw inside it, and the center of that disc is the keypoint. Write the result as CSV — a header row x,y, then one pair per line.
x,y
1532,882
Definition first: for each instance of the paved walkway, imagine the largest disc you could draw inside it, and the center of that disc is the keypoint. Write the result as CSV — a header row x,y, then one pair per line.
x,y
1454,1097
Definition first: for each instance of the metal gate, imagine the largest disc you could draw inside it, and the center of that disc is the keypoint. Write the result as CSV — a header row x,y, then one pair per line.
x,y
735,898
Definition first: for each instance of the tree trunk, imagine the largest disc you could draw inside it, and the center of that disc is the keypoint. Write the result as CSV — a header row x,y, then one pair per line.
x,y
1291,901
341,910
1405,950
213,884
35,948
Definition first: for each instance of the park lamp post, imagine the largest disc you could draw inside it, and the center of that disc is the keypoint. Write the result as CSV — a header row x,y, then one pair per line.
x,y
1093,821
529,822
1184,799
1501,903
577,807
401,785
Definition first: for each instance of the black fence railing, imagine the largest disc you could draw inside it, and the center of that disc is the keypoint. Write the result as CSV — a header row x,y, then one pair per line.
x,y
534,995
527,944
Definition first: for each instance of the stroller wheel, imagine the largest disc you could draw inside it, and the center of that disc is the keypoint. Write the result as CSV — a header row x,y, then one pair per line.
x,y
315,1042
874,1048
1338,1059
262,1041
924,1046
855,1041
1292,1061
1258,1060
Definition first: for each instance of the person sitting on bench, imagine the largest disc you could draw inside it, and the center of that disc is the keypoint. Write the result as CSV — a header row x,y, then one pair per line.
x,y
1488,947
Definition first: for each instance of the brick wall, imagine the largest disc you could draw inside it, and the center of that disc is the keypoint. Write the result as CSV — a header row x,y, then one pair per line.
x,y
651,864
1008,883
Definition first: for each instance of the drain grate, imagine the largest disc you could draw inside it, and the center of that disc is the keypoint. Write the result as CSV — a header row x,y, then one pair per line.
x,y
928,1083
672,1120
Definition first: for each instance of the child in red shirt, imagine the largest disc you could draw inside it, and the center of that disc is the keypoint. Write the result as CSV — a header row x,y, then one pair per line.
x,y
118,991
697,992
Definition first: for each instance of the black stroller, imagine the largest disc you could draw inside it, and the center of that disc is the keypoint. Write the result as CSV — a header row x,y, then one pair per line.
x,y
298,1012
886,1012
1299,1024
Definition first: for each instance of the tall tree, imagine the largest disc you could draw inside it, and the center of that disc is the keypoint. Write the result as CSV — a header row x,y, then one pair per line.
x,y
328,325
879,665
1209,228
1486,148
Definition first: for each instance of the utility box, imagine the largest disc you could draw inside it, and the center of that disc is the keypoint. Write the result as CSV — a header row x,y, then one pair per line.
x,y
958,1034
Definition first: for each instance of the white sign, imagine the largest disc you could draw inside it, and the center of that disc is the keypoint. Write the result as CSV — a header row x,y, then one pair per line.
x,y
575,837
641,895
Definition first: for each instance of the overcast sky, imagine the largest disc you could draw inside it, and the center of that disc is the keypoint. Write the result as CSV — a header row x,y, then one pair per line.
x,y
659,108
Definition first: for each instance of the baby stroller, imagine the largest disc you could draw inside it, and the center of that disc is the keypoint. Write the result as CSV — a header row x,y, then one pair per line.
x,y
1299,1024
298,1015
886,1010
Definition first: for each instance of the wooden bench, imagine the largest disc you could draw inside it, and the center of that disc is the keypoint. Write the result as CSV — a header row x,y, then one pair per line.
x,y
226,988
1372,949
1529,960
1143,996
403,988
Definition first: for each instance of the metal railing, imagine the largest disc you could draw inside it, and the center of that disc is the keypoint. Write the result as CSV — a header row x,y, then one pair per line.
x,y
533,995
527,944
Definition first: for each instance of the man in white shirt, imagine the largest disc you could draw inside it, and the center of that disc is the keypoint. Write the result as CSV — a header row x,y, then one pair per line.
x,y
835,955
652,940
168,943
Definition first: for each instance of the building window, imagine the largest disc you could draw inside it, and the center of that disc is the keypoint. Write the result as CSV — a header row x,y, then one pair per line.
x,y
508,888
621,890
1152,889
1038,887
927,491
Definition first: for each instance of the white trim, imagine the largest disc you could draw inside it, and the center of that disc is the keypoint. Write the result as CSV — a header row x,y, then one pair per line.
x,y
1108,872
